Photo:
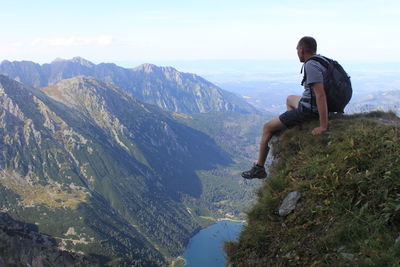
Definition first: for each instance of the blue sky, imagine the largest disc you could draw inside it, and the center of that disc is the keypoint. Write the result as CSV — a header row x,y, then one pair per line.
x,y
151,31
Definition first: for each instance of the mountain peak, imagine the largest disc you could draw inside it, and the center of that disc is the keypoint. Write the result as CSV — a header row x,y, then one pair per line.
x,y
78,60
75,91
77,85
81,79
148,68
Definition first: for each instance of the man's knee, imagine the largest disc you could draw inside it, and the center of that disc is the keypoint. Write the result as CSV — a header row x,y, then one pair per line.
x,y
273,126
293,100
289,98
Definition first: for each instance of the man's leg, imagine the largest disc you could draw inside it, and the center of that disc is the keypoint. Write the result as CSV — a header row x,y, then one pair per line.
x,y
258,170
269,129
292,101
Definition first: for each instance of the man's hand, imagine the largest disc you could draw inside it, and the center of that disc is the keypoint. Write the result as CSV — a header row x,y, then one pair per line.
x,y
318,130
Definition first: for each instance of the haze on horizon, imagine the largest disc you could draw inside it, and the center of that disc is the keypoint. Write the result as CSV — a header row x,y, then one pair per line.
x,y
154,31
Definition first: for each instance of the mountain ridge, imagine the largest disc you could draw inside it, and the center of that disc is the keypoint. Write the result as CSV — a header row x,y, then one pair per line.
x,y
162,86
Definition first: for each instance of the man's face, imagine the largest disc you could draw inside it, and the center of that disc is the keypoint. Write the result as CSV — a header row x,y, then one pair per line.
x,y
300,53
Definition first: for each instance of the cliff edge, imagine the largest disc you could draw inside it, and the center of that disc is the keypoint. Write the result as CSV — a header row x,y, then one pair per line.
x,y
348,198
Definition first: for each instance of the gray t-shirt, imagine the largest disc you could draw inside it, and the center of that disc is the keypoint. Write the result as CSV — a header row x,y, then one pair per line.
x,y
315,74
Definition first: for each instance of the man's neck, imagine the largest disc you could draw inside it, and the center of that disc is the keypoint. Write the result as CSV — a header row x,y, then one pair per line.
x,y
307,56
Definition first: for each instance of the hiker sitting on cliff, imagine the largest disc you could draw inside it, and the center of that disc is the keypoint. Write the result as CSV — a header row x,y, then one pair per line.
x,y
311,105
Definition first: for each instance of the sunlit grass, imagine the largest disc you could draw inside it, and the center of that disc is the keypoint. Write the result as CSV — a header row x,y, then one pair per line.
x,y
350,180
51,195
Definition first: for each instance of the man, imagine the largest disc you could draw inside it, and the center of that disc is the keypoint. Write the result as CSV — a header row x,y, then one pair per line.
x,y
311,105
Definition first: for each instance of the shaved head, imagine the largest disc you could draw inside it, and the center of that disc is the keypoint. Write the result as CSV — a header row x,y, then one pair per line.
x,y
308,44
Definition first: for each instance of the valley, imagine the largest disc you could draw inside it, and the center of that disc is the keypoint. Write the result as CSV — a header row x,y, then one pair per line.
x,y
106,175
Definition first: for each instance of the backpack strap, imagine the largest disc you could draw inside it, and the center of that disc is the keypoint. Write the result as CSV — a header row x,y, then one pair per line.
x,y
324,61
304,76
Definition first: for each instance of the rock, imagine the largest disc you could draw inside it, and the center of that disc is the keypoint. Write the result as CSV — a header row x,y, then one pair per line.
x,y
397,240
289,203
347,256
270,157
288,255
341,248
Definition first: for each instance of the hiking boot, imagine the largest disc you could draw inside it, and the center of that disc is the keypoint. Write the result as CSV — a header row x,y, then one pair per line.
x,y
255,172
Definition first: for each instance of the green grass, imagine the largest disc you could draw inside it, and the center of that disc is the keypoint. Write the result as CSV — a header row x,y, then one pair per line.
x,y
350,180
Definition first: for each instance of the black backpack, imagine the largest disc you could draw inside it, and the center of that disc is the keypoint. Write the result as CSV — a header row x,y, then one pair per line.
x,y
337,84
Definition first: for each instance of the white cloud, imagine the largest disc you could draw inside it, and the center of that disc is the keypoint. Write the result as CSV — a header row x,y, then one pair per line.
x,y
43,50
102,40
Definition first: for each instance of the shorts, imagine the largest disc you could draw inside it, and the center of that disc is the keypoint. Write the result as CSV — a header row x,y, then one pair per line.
x,y
297,116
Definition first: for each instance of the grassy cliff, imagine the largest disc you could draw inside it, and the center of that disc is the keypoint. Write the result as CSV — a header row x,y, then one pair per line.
x,y
349,211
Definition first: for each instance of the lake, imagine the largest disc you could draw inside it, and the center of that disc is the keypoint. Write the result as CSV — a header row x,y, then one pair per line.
x,y
206,247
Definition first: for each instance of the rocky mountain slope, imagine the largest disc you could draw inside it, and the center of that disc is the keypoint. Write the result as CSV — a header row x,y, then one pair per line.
x,y
22,245
100,172
162,86
348,213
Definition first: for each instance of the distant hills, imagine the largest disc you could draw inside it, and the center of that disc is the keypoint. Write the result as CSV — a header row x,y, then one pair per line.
x,y
162,86
381,100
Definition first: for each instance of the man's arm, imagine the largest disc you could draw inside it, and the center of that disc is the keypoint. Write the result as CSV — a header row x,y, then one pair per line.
x,y
322,106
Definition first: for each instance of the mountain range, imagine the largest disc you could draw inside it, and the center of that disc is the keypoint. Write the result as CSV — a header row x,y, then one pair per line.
x,y
162,86
104,174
